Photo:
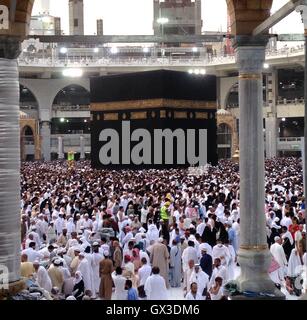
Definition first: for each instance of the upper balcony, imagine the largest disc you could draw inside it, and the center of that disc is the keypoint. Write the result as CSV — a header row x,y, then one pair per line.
x,y
146,57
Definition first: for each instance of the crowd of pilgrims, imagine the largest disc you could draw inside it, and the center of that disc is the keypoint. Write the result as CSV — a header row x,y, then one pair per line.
x,y
131,235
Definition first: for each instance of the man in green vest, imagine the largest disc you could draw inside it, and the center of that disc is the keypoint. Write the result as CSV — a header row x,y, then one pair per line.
x,y
164,212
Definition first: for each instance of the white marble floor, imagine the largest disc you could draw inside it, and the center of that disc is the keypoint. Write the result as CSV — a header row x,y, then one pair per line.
x,y
177,293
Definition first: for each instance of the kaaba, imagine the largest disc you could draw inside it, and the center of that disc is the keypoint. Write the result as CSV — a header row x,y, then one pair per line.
x,y
156,119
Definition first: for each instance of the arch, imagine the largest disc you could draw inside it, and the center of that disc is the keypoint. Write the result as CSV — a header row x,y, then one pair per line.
x,y
231,93
45,90
28,85
228,121
245,16
28,102
72,94
232,97
27,131
226,83
29,135
20,15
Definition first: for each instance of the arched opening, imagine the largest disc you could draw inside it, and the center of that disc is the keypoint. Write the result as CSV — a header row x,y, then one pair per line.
x,y
70,120
224,141
72,95
28,103
71,98
27,143
232,100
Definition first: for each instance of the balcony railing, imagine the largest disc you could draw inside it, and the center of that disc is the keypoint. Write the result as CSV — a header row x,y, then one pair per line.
x,y
71,140
289,144
174,57
291,101
57,107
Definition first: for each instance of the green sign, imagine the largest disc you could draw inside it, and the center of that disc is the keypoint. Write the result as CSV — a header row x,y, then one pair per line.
x,y
71,156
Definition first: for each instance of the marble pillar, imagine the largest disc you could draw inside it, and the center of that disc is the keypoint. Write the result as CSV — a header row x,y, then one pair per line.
x,y
60,148
46,137
271,135
82,148
254,256
271,121
9,160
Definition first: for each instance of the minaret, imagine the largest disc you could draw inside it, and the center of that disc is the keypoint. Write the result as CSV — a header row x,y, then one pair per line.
x,y
99,23
76,17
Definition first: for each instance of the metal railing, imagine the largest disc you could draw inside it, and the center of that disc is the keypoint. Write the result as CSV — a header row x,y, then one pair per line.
x,y
291,101
290,139
71,140
289,144
68,107
174,57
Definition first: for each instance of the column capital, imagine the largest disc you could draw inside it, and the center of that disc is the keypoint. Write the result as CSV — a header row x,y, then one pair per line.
x,y
250,41
10,47
45,123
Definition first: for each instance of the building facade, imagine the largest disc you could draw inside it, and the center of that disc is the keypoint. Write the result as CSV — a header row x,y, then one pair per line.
x,y
184,17
61,104
76,17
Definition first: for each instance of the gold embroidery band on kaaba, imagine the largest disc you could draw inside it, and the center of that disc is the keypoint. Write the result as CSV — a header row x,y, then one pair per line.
x,y
257,247
110,116
152,104
250,76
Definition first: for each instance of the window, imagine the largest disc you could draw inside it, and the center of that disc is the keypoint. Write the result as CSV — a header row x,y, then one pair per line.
x,y
76,22
224,134
224,141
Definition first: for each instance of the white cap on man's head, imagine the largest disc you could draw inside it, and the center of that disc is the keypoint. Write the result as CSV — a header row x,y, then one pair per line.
x,y
57,262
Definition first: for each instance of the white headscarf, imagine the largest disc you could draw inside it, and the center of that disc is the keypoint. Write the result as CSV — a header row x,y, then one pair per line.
x,y
80,278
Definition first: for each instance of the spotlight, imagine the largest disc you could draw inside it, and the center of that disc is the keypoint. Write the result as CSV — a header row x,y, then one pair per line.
x,y
266,66
96,50
63,50
73,73
114,50
283,119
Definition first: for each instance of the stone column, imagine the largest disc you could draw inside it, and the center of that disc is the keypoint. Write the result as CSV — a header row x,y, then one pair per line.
x,y
9,159
46,137
82,148
271,121
271,133
60,148
254,256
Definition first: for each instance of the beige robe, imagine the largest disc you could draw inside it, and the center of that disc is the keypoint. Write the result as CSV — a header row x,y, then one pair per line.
x,y
26,269
62,241
160,258
74,265
117,258
106,282
56,276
